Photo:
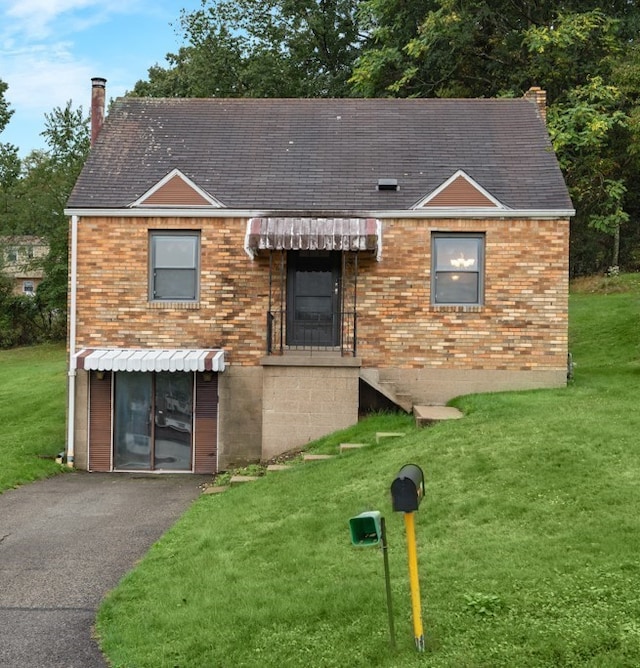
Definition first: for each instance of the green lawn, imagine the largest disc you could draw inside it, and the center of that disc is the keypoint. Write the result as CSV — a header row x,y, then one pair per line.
x,y
32,413
528,537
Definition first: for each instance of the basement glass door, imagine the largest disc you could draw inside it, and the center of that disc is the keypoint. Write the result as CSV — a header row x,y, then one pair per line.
x,y
313,298
153,421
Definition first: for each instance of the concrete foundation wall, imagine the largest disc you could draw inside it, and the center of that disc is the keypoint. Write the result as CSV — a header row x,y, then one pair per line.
x,y
302,403
239,416
437,386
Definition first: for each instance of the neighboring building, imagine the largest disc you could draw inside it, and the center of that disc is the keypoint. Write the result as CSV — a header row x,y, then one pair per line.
x,y
248,275
22,262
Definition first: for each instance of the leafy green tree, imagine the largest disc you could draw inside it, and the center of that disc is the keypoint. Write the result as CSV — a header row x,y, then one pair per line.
x,y
590,133
33,194
10,166
10,171
477,48
261,48
49,179
39,195
5,111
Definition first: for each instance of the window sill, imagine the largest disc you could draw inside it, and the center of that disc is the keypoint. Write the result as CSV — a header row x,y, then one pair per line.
x,y
457,308
174,306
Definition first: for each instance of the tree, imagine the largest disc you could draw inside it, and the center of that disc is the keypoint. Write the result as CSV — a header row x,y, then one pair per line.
x,y
40,195
50,177
9,164
5,111
589,132
261,48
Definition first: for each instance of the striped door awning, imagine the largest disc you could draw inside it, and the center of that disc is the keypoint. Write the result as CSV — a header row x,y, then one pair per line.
x,y
136,359
325,234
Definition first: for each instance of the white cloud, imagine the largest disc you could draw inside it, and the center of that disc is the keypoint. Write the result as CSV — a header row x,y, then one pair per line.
x,y
50,49
42,19
38,81
37,19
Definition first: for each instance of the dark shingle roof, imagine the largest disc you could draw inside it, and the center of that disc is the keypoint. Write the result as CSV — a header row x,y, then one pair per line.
x,y
322,154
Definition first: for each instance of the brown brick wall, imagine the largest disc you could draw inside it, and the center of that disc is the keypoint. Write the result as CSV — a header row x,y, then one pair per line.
x,y
113,306
522,326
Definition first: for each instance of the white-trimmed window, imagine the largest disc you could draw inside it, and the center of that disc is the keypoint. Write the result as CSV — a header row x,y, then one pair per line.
x,y
28,288
457,275
174,265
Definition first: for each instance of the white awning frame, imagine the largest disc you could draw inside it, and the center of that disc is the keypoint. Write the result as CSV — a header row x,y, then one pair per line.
x,y
154,359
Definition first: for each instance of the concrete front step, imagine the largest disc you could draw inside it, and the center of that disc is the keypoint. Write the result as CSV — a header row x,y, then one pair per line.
x,y
215,489
427,415
239,479
384,435
345,447
387,389
316,458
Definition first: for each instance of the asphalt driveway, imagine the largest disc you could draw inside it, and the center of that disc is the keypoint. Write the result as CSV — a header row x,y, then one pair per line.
x,y
64,543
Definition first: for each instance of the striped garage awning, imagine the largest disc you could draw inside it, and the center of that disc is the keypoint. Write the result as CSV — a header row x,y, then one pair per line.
x,y
136,359
328,234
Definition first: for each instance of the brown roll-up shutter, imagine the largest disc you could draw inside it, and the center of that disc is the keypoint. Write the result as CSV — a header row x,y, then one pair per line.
x,y
206,431
100,422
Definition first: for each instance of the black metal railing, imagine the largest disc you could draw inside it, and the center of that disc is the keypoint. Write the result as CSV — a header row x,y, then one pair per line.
x,y
312,331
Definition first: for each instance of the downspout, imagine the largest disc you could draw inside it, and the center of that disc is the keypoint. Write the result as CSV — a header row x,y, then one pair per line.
x,y
71,413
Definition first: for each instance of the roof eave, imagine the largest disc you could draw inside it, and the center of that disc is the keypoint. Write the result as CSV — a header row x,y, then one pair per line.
x,y
426,212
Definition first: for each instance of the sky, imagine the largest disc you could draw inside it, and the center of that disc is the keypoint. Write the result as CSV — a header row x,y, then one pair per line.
x,y
50,50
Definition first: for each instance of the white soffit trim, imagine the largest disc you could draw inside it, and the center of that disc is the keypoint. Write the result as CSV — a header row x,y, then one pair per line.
x,y
386,214
474,184
172,174
136,359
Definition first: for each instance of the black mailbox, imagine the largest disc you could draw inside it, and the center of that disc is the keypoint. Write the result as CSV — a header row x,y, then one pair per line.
x,y
407,489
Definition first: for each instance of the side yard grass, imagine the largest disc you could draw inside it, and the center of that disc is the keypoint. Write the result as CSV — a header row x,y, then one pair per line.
x,y
528,538
32,413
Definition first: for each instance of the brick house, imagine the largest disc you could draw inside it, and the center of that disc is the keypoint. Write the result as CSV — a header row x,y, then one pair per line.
x,y
247,275
21,259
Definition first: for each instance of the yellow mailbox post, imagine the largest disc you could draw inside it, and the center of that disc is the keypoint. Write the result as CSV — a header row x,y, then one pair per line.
x,y
407,491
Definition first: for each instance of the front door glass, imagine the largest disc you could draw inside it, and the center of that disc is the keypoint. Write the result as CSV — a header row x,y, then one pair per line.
x,y
153,421
313,299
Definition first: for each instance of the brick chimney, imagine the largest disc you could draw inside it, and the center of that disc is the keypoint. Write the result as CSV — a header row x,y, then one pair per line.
x,y
97,106
538,97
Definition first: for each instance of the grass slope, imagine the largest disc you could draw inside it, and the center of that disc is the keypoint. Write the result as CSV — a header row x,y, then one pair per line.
x,y
528,538
32,408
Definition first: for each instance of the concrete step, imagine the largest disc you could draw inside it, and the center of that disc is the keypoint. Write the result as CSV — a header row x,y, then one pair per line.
x,y
239,479
387,389
345,447
390,390
278,467
384,435
427,415
215,489
316,458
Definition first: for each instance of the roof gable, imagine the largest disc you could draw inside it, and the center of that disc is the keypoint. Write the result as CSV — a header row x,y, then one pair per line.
x,y
459,191
176,189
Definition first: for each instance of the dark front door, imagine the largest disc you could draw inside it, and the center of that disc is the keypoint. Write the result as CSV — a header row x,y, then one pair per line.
x,y
313,298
